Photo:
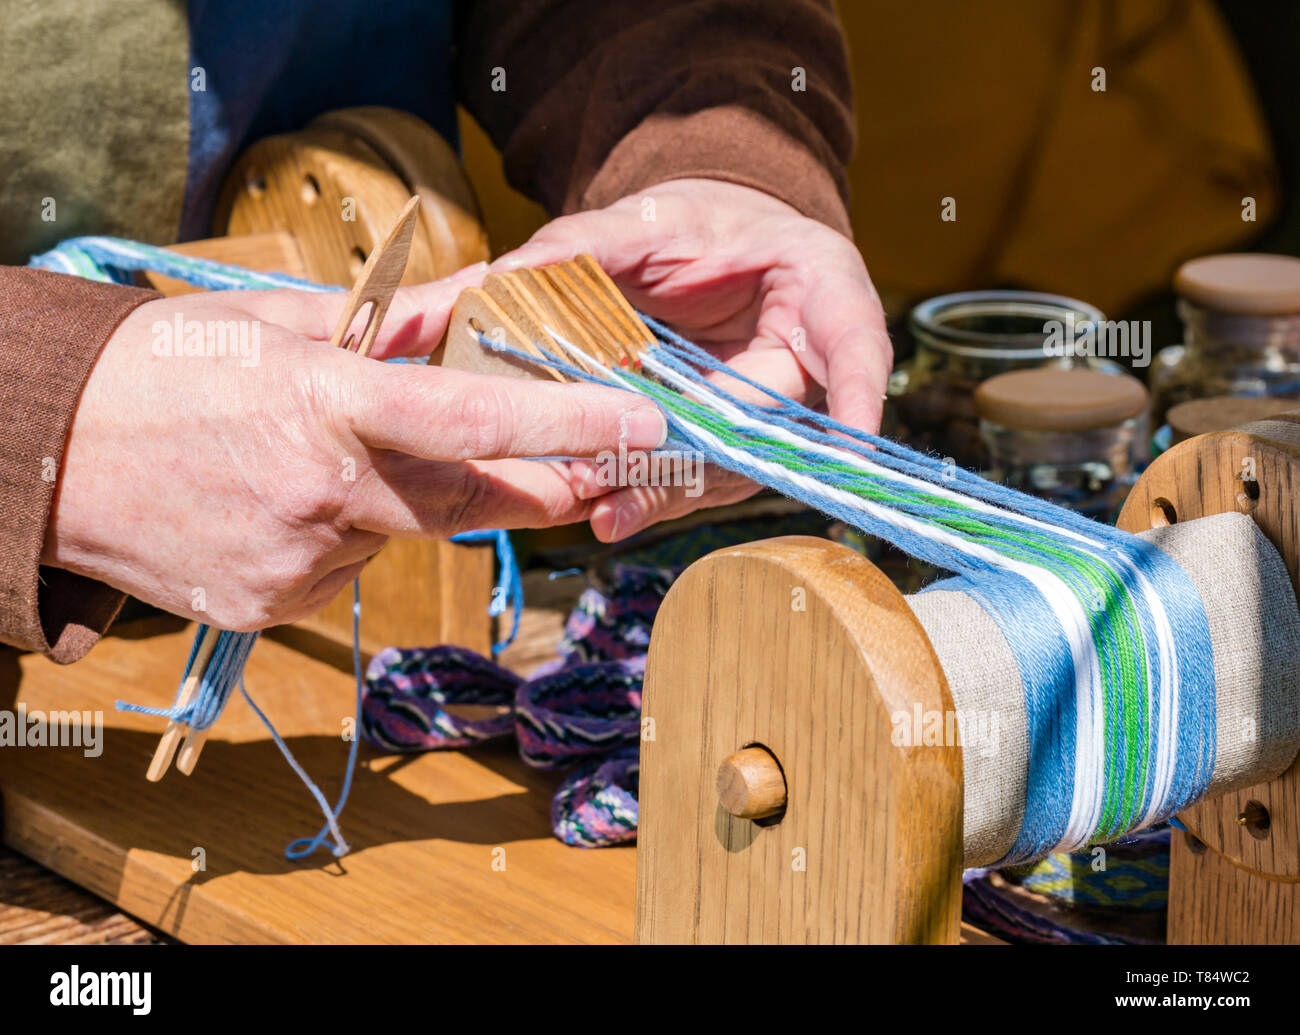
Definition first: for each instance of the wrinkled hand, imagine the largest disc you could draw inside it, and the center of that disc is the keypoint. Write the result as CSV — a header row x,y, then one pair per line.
x,y
782,298
247,491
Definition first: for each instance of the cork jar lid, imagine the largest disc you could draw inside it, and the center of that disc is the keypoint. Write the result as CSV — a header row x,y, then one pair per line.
x,y
1056,399
1222,412
1259,285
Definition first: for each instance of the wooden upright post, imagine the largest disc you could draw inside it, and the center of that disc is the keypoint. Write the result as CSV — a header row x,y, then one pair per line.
x,y
1237,879
804,648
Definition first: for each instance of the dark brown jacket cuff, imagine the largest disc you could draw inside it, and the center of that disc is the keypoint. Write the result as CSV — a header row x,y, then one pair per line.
x,y
591,102
52,327
734,144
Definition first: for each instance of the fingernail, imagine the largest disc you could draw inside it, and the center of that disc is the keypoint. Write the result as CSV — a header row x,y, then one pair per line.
x,y
584,475
643,428
625,521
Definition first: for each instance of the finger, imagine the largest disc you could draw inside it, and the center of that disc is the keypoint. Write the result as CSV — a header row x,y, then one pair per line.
x,y
630,510
413,326
845,320
450,415
402,496
587,480
776,368
606,236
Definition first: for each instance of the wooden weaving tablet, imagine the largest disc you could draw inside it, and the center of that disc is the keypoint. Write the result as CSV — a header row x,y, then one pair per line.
x,y
531,310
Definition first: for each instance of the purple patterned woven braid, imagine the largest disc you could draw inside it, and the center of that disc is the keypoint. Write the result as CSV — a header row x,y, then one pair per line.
x,y
583,708
407,692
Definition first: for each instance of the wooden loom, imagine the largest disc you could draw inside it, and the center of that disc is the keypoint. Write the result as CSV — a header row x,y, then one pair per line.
x,y
762,718
772,744
773,805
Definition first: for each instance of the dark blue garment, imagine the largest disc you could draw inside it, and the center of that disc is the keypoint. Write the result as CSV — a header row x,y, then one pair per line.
x,y
271,66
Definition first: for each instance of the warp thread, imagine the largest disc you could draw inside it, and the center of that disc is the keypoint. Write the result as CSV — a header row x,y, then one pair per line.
x,y
1110,636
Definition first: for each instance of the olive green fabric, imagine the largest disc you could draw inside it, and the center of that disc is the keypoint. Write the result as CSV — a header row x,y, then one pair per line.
x,y
73,76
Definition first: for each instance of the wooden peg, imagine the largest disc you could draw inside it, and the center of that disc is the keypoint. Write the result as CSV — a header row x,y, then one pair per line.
x,y
166,750
751,784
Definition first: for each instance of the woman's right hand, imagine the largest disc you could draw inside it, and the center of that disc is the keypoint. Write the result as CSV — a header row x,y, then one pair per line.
x,y
247,490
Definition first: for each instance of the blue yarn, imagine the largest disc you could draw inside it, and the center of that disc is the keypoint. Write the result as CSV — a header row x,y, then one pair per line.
x,y
223,671
510,585
305,846
1033,629
114,259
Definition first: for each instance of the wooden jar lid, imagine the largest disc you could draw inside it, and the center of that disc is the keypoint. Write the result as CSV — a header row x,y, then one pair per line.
x,y
1052,399
1259,285
1222,412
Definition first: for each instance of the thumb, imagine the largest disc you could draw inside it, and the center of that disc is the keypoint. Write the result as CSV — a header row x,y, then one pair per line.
x,y
413,326
617,241
451,415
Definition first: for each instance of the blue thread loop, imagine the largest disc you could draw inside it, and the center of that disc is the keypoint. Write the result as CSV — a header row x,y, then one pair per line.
x,y
510,585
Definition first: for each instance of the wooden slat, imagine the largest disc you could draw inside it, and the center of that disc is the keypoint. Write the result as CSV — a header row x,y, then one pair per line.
x,y
275,251
425,829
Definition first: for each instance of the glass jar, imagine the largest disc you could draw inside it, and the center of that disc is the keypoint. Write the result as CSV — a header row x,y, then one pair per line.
x,y
962,340
1069,436
1241,331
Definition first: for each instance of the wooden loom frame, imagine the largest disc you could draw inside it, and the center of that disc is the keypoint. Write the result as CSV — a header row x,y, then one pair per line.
x,y
867,842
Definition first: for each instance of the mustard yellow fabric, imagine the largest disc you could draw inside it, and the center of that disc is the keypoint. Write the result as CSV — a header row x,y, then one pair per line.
x,y
1057,187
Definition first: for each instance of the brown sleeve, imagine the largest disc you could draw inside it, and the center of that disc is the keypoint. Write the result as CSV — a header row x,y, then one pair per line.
x,y
603,100
52,327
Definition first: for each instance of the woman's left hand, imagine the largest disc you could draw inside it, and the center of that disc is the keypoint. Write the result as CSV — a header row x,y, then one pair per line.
x,y
780,297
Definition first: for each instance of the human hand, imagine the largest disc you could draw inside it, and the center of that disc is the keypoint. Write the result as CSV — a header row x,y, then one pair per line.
x,y
782,298
248,490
